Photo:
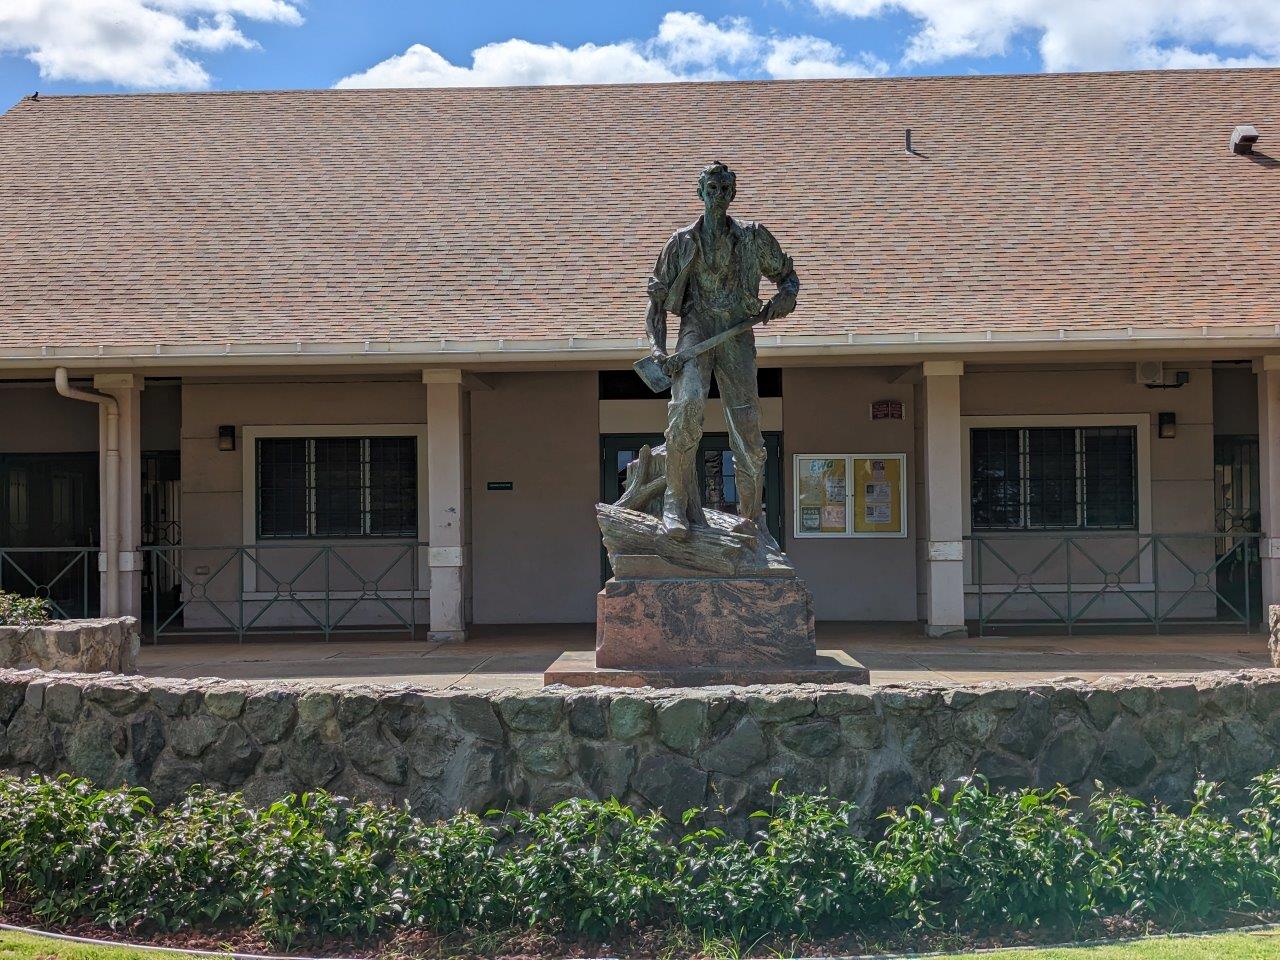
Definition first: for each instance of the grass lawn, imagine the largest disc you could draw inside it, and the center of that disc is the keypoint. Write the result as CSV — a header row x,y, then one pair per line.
x,y
1231,946
19,946
1240,946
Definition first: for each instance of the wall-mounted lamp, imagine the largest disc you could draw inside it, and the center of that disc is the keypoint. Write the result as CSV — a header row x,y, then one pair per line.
x,y
227,437
1167,424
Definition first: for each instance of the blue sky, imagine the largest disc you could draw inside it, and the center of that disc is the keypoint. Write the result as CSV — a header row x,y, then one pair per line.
x,y
65,46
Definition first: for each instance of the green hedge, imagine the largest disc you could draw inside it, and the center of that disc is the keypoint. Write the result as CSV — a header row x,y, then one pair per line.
x,y
20,611
969,860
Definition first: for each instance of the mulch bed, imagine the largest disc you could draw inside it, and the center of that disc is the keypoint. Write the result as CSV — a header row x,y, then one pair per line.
x,y
648,943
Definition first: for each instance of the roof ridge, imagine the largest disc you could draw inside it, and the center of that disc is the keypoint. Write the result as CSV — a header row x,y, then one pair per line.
x,y
1045,76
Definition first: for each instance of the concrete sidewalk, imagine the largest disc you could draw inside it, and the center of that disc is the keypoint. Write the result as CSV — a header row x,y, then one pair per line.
x,y
516,656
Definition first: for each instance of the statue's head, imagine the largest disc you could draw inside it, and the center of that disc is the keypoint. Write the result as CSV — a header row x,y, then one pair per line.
x,y
717,187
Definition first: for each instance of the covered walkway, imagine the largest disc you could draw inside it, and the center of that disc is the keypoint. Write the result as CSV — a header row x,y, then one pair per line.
x,y
517,656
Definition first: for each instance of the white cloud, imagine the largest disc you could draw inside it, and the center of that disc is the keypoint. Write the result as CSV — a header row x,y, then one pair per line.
x,y
514,62
1087,34
687,46
689,39
800,58
148,44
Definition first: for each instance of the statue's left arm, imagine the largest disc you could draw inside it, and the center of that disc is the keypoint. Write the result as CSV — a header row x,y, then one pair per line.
x,y
777,266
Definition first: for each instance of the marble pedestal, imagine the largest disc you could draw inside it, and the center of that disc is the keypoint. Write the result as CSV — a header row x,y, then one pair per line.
x,y
700,631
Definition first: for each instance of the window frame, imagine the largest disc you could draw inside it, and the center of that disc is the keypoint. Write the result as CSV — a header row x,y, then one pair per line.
x,y
251,434
1142,432
1079,459
1141,422
312,514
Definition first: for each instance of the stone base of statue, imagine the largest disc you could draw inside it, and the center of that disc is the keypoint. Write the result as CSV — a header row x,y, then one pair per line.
x,y
712,622
722,607
577,668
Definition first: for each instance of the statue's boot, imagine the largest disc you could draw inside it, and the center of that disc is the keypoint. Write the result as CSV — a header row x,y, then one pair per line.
x,y
682,487
750,506
674,522
765,537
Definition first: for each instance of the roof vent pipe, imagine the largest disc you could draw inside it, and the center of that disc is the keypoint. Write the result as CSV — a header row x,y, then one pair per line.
x,y
111,483
1243,138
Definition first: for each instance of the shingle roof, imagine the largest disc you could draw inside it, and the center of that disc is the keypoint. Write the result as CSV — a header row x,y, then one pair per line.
x,y
1036,202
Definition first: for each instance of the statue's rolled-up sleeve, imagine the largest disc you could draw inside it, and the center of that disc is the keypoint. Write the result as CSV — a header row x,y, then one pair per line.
x,y
775,264
664,273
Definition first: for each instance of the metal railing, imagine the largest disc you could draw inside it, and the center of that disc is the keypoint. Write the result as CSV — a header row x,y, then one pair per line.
x,y
1069,580
289,587
65,576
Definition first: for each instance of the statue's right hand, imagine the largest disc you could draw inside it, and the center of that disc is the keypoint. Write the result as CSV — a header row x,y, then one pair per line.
x,y
673,364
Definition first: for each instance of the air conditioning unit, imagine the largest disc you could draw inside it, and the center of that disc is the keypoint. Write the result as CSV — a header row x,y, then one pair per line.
x,y
1150,373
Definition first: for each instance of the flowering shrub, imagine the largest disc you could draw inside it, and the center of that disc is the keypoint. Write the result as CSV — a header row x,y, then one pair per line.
x,y
19,611
314,866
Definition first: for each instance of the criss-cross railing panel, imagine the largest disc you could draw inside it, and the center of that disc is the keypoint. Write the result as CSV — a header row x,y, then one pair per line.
x,y
1070,580
63,576
292,587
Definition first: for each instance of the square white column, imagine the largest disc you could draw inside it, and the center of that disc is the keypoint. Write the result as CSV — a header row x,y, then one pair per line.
x,y
446,502
126,388
1268,371
944,491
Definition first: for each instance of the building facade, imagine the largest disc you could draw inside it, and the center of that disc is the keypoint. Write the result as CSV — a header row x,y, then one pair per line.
x,y
360,360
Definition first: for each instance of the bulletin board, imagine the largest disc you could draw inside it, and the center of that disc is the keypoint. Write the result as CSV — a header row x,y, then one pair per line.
x,y
879,495
850,495
822,495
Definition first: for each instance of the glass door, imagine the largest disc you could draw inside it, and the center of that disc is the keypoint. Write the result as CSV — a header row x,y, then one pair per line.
x,y
161,527
51,501
1237,509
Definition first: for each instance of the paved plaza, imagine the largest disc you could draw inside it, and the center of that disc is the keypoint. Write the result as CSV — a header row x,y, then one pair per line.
x,y
517,656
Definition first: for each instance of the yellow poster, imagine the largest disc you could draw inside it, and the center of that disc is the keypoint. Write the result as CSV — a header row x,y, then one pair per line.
x,y
877,495
821,483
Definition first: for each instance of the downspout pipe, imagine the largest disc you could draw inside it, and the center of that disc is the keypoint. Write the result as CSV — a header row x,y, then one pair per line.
x,y
111,483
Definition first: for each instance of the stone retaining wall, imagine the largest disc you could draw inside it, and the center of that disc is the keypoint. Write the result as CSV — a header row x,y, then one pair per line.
x,y
439,751
83,646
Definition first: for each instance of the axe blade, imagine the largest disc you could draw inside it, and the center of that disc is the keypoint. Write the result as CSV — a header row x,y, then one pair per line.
x,y
649,370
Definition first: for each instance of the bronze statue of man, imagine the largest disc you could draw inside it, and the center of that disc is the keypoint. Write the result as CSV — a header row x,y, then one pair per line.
x,y
709,274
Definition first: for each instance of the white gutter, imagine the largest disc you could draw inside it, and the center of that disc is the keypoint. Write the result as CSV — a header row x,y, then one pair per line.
x,y
848,343
111,482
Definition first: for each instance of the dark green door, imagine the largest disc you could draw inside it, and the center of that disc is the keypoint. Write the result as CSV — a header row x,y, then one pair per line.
x,y
1237,510
49,528
162,528
715,473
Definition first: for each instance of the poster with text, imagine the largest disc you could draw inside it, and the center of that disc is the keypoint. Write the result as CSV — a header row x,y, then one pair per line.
x,y
821,485
878,495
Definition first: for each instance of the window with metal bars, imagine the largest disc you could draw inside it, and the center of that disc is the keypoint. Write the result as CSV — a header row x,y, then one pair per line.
x,y
337,487
1054,478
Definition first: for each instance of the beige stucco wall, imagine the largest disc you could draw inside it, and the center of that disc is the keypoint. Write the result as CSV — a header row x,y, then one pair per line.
x,y
211,479
827,410
1181,473
35,419
212,484
1181,468
1235,400
536,548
